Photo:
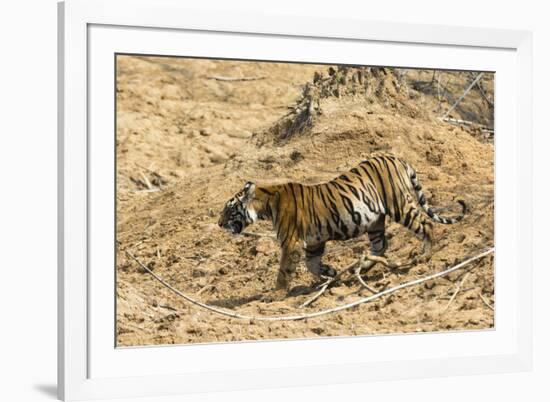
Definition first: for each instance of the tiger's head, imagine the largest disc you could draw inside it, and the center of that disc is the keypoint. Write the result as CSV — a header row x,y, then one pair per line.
x,y
237,212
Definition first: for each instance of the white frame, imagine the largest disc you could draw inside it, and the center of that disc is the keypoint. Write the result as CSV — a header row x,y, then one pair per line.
x,y
75,17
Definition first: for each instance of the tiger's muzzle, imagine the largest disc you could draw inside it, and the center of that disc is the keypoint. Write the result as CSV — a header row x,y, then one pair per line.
x,y
233,227
232,220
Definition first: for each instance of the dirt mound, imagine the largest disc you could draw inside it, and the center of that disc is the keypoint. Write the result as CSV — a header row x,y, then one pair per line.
x,y
186,142
375,84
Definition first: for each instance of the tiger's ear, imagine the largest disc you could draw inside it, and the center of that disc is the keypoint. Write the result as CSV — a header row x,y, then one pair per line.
x,y
249,191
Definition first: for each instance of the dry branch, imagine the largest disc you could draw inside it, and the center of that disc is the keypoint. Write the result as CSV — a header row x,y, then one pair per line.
x,y
324,287
367,262
456,292
317,313
146,181
482,92
475,81
484,300
468,123
362,282
153,172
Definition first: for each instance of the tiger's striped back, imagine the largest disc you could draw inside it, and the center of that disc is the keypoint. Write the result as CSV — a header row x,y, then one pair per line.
x,y
346,206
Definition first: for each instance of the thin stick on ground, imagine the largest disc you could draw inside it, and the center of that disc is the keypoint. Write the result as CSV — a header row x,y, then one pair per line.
x,y
362,282
463,95
357,265
316,295
326,284
317,313
146,181
467,123
482,91
456,292
153,172
484,300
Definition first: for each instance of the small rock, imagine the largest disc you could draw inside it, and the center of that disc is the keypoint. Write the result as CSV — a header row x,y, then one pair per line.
x,y
217,157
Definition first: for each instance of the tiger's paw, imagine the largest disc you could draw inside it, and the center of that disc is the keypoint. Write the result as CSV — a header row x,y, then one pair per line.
x,y
275,296
327,271
282,281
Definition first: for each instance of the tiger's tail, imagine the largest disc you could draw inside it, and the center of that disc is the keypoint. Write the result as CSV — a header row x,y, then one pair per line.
x,y
424,203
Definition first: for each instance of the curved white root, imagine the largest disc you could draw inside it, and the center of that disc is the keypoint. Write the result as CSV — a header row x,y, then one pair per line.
x,y
317,313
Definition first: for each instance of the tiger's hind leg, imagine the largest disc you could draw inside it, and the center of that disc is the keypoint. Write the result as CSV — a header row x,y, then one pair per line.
x,y
414,220
378,244
377,236
314,254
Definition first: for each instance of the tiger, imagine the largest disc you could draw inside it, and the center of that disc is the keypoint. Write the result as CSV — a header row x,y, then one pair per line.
x,y
357,201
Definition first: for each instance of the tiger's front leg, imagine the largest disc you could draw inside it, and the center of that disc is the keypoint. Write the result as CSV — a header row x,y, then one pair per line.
x,y
290,257
314,254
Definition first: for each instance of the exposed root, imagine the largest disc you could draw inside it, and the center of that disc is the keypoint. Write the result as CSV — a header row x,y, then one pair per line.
x,y
317,313
362,282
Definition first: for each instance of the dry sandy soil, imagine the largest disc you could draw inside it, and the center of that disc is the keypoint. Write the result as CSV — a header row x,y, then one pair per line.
x,y
186,142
